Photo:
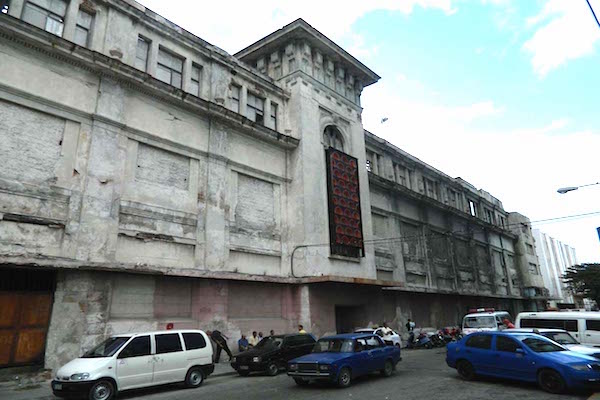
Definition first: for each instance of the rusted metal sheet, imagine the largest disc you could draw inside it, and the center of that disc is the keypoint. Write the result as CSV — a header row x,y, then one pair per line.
x,y
24,319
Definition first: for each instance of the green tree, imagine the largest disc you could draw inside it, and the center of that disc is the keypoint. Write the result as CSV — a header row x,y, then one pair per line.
x,y
584,280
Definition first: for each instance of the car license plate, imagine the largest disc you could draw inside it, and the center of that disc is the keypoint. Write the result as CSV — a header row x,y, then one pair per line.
x,y
244,367
57,386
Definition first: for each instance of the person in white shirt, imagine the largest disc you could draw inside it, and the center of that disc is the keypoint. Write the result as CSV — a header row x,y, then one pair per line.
x,y
254,339
386,330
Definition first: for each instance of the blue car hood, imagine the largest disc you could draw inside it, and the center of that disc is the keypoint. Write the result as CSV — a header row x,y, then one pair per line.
x,y
567,357
322,357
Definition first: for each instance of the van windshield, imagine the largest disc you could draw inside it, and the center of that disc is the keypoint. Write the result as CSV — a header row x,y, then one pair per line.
x,y
482,321
107,348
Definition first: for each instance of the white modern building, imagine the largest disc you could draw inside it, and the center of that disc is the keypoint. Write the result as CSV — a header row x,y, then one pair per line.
x,y
554,257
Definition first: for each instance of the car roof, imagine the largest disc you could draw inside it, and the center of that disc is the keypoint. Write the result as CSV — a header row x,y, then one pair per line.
x,y
131,334
534,330
487,313
561,314
349,336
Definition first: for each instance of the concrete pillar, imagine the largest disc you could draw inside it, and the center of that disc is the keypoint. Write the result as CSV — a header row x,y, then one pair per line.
x,y
267,116
152,58
304,317
243,100
16,8
186,78
71,20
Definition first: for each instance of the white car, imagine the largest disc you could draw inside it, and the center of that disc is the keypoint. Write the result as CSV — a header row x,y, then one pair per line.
x,y
562,337
393,338
137,360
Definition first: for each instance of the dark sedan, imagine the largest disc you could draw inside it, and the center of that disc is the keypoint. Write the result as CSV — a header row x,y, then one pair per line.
x,y
272,353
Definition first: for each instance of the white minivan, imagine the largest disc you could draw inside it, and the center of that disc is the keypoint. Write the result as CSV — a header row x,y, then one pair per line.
x,y
481,321
136,360
583,325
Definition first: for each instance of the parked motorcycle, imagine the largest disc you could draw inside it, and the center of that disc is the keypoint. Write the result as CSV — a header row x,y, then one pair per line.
x,y
421,341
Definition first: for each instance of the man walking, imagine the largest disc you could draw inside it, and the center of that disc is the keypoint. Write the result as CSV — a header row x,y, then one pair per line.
x,y
221,341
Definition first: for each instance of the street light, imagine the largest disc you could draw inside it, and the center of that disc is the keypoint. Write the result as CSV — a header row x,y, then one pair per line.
x,y
564,190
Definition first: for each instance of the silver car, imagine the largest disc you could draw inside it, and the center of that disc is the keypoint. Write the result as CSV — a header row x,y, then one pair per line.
x,y
561,337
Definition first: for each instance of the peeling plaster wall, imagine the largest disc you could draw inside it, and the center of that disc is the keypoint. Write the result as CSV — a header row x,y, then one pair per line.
x,y
95,305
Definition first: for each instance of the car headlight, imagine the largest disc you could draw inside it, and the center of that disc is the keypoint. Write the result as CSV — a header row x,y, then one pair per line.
x,y
582,367
80,377
323,367
256,359
293,367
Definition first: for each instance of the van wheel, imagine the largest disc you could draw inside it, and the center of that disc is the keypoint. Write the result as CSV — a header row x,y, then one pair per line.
x,y
102,390
551,381
388,369
194,377
344,378
465,370
272,369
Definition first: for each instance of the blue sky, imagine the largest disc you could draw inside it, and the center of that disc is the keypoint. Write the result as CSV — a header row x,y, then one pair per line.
x,y
502,93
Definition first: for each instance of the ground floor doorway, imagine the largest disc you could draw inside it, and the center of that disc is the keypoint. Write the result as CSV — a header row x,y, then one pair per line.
x,y
25,307
348,318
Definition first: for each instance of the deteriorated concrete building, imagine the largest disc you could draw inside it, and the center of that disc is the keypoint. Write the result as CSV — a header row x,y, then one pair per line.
x,y
148,177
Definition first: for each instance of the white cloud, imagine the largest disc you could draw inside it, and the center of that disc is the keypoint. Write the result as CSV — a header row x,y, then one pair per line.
x,y
235,26
566,31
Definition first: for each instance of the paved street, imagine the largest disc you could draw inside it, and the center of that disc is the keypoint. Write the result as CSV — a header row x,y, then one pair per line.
x,y
421,375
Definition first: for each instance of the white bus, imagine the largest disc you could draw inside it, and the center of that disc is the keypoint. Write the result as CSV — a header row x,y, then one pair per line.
x,y
583,325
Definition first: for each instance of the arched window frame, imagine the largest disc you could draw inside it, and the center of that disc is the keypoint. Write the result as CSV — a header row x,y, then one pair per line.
x,y
333,137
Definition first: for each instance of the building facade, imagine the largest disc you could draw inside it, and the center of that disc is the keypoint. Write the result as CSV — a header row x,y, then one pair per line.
x,y
150,178
555,258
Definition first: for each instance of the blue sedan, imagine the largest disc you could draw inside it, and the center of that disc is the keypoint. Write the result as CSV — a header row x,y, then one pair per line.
x,y
341,358
523,356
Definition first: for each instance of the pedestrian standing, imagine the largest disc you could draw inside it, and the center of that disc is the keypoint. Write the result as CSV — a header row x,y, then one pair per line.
x,y
272,333
253,341
221,341
243,344
301,329
260,336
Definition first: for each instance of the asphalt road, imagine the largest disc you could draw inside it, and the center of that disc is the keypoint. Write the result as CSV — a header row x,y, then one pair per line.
x,y
422,374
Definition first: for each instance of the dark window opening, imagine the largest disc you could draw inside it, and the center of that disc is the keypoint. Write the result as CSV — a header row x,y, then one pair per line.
x,y
140,346
194,341
168,343
480,342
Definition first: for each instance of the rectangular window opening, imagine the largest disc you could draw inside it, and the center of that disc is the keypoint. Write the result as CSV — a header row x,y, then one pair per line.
x,y
255,109
141,54
195,84
83,28
169,68
235,98
48,15
274,116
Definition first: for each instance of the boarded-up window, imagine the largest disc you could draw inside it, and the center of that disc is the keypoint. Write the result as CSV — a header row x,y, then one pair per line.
x,y
162,167
173,297
438,243
379,225
132,297
254,300
30,143
411,240
461,249
255,203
